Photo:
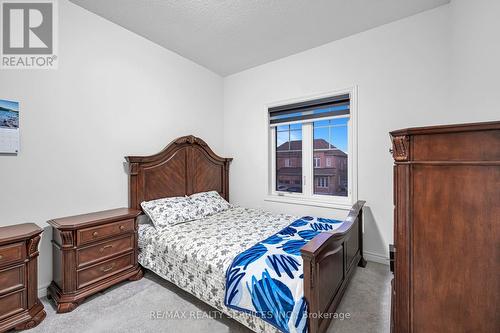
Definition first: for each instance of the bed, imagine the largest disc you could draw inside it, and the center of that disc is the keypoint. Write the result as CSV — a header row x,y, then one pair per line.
x,y
196,255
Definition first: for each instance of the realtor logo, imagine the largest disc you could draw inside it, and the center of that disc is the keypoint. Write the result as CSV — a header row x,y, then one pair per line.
x,y
28,34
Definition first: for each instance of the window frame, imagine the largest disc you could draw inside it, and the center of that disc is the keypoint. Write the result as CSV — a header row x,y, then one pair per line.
x,y
316,165
307,197
324,183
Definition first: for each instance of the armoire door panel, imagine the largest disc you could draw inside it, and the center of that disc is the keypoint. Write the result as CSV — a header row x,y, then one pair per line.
x,y
455,237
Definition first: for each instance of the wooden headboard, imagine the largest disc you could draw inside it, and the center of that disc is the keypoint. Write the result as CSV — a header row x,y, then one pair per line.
x,y
185,166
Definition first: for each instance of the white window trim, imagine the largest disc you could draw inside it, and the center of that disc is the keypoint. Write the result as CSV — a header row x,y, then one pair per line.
x,y
324,183
319,162
306,197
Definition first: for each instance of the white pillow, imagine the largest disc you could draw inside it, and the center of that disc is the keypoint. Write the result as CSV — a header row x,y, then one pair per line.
x,y
170,211
209,203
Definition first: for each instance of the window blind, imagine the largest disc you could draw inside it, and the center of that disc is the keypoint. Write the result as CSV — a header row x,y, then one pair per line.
x,y
310,110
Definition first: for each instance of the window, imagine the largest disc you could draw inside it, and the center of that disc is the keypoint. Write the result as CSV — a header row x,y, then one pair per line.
x,y
311,150
316,162
330,139
322,182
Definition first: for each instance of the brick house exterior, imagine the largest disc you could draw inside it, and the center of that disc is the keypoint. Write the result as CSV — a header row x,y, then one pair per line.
x,y
330,168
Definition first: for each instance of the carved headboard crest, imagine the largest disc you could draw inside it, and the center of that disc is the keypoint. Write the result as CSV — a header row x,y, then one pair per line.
x,y
185,166
191,140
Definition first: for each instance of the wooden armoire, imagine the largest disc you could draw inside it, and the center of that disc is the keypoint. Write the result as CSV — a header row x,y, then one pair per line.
x,y
447,229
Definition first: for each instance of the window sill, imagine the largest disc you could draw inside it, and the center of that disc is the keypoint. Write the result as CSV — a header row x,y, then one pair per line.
x,y
307,202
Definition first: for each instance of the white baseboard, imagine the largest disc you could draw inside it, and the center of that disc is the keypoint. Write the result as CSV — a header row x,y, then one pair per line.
x,y
376,257
42,291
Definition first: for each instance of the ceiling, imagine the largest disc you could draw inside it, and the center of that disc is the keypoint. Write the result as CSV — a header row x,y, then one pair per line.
x,y
228,36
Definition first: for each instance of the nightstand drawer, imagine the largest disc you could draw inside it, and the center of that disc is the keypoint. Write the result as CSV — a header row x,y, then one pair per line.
x,y
12,253
104,250
95,273
92,252
89,235
11,279
12,303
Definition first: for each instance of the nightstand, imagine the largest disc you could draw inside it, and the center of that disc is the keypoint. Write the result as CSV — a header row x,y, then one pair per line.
x,y
92,252
20,307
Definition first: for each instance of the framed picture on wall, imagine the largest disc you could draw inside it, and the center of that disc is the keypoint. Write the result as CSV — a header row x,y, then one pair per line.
x,y
9,126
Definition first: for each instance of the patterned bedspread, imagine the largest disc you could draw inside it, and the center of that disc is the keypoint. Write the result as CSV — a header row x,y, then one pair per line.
x,y
196,255
267,279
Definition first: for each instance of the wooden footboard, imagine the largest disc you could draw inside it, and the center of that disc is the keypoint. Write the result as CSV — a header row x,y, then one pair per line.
x,y
329,262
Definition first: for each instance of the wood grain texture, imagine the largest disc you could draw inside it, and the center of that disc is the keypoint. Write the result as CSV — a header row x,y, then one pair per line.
x,y
37,314
11,253
92,234
104,250
139,275
19,304
12,278
12,303
92,252
104,269
466,146
186,166
19,232
90,219
447,230
471,236
330,260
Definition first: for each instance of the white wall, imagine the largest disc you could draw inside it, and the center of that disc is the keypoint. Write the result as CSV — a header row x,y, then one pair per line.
x,y
475,75
409,73
114,94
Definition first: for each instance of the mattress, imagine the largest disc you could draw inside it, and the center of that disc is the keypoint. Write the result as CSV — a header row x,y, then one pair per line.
x,y
196,255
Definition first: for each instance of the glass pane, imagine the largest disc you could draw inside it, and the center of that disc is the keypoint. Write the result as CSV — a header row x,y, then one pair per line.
x,y
296,135
282,139
289,158
282,128
321,137
330,157
339,134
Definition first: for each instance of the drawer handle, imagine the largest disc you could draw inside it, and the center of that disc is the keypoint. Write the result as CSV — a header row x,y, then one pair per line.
x,y
94,234
107,269
122,227
105,247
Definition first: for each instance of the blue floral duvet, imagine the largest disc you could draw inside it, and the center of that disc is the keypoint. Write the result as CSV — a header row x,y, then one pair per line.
x,y
267,279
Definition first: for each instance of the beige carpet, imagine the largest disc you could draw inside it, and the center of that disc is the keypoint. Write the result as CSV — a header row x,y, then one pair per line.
x,y
129,307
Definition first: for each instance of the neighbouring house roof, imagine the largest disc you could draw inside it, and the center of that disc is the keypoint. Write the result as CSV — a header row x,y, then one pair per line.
x,y
318,144
322,144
